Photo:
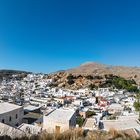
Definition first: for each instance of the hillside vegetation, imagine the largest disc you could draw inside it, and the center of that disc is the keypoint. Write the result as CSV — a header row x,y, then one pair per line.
x,y
92,75
71,81
79,135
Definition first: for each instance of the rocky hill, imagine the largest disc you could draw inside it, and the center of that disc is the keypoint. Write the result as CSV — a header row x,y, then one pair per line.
x,y
93,74
93,68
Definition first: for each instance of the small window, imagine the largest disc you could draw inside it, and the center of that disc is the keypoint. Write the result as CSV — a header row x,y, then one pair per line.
x,y
3,121
17,125
16,116
10,119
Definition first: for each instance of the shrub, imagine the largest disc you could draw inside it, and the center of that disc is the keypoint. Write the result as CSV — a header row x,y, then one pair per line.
x,y
70,77
70,82
89,77
79,121
91,86
90,114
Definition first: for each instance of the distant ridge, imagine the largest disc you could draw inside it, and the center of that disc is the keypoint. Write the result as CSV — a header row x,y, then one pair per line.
x,y
9,73
93,73
12,71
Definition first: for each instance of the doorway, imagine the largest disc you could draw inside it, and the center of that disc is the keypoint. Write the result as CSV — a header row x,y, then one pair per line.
x,y
57,129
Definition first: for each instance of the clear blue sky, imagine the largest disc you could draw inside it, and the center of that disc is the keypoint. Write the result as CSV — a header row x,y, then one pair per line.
x,y
50,35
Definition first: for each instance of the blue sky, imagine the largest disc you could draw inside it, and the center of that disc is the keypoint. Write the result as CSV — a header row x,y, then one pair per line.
x,y
50,35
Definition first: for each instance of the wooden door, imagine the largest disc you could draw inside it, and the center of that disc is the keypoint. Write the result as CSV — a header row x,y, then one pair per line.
x,y
57,129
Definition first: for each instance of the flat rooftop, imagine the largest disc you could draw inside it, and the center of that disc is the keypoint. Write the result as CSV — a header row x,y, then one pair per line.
x,y
8,107
31,108
121,124
61,114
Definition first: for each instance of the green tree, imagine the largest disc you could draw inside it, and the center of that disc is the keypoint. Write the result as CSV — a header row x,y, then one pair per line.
x,y
79,120
70,79
137,103
70,82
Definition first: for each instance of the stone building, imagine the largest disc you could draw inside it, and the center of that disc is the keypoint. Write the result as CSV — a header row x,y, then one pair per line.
x,y
11,114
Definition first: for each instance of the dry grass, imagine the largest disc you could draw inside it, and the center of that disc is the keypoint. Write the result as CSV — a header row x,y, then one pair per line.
x,y
79,134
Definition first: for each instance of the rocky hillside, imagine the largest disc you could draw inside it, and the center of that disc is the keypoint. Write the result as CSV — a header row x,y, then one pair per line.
x,y
93,68
92,74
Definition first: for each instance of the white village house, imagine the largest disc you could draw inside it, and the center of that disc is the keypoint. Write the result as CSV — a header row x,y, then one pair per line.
x,y
59,120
